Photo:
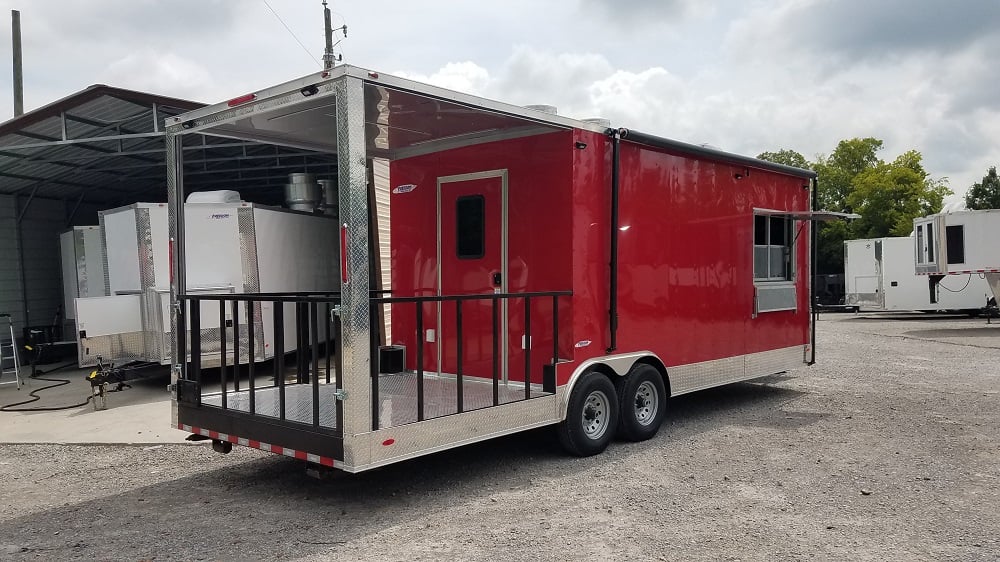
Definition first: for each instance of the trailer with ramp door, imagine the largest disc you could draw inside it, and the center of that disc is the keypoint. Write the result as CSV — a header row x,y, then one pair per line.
x,y
521,269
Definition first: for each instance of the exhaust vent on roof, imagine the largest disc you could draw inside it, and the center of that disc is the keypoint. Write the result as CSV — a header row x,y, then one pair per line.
x,y
218,196
600,121
550,109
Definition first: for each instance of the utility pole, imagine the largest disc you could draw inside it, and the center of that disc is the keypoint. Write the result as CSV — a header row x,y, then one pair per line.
x,y
328,52
15,22
330,59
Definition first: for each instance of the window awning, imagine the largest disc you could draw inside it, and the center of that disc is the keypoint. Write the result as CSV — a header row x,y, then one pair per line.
x,y
821,216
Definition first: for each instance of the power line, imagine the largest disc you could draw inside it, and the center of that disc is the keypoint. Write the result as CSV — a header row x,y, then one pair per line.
x,y
292,33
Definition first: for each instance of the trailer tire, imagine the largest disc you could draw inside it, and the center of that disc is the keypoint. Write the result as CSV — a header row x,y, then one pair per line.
x,y
643,403
591,416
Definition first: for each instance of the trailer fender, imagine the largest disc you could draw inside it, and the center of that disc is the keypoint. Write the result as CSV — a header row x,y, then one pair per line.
x,y
614,366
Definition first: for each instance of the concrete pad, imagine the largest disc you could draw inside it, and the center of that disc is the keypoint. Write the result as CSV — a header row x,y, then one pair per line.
x,y
140,414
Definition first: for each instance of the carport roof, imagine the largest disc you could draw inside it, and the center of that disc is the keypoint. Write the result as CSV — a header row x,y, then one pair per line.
x,y
105,145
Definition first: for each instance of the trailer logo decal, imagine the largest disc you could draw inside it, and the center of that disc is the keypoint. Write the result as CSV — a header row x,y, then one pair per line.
x,y
405,188
219,216
583,343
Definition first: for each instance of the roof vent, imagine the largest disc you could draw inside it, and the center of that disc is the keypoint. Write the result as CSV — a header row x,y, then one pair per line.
x,y
219,196
550,109
599,121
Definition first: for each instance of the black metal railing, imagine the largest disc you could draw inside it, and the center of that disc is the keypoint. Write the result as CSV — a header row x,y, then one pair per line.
x,y
310,399
242,347
495,300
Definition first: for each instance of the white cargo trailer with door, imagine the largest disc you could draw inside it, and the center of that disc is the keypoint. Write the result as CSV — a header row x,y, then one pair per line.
x,y
233,247
82,266
879,276
959,243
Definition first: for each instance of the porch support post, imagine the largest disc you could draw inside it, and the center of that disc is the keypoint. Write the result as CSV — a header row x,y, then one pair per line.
x,y
355,315
175,226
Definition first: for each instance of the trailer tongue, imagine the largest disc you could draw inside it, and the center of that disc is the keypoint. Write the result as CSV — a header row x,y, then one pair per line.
x,y
500,269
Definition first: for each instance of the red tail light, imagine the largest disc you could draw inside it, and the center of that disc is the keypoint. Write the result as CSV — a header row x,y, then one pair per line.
x,y
240,100
343,253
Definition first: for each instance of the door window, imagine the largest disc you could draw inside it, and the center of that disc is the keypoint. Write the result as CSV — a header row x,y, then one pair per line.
x,y
470,227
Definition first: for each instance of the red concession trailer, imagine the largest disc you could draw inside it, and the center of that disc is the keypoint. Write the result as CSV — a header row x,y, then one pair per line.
x,y
502,269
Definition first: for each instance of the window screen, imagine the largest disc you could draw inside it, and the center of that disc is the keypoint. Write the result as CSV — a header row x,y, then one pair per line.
x,y
956,243
920,244
470,225
772,248
930,243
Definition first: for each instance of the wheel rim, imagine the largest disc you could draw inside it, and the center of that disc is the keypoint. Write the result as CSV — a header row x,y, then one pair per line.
x,y
646,403
595,414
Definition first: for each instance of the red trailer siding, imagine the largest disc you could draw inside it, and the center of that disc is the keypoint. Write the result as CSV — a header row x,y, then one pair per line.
x,y
539,232
686,257
686,287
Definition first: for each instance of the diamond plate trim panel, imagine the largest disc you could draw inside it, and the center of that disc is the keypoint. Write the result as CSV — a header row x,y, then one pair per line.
x,y
251,279
298,403
175,224
80,252
873,300
708,374
147,280
104,254
775,361
398,443
397,397
128,346
355,329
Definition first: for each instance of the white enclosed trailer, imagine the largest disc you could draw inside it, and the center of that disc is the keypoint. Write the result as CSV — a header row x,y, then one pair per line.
x,y
231,248
959,243
82,266
879,276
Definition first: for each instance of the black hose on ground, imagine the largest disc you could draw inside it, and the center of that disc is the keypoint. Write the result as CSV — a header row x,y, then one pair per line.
x,y
35,397
36,372
121,385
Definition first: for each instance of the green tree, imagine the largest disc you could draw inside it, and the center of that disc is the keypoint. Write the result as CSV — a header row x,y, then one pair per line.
x,y
985,194
836,176
786,157
888,196
838,170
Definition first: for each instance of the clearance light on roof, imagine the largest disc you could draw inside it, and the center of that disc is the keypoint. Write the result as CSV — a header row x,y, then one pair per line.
x,y
241,100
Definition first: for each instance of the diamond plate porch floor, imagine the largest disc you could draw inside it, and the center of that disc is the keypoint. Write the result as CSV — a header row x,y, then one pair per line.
x,y
397,399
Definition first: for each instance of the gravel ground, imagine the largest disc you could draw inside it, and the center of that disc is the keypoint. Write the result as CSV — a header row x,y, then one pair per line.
x,y
887,449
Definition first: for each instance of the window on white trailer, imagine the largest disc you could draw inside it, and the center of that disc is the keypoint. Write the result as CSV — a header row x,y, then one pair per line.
x,y
955,243
920,243
772,248
930,243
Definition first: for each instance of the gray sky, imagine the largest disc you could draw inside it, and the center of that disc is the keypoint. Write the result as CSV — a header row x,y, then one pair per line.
x,y
743,75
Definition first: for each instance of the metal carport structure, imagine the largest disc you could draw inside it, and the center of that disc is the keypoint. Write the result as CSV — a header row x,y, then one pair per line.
x,y
101,148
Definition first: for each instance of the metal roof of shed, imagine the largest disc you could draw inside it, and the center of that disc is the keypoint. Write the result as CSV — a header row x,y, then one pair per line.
x,y
105,145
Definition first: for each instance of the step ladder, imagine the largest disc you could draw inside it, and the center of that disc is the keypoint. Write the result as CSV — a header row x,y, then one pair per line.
x,y
10,364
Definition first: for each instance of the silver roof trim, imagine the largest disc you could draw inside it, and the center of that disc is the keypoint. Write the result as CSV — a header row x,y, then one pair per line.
x,y
373,77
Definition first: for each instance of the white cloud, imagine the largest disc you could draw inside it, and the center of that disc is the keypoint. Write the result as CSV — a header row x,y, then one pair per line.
x,y
163,73
744,76
467,77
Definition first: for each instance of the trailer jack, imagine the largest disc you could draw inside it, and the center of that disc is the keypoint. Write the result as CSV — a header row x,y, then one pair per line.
x,y
99,381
